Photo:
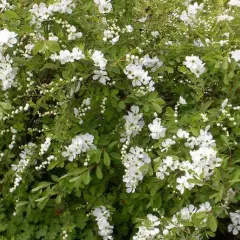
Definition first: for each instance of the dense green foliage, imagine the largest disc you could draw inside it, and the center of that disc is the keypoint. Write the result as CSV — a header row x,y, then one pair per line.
x,y
50,185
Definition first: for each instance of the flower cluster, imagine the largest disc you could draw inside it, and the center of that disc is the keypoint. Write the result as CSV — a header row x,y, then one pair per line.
x,y
81,143
72,33
139,76
81,111
7,72
185,215
133,161
112,33
166,166
7,38
41,12
105,229
4,5
166,144
189,17
235,3
224,17
25,157
234,227
118,109
14,133
235,55
204,161
45,163
45,146
133,124
149,230
66,56
153,63
195,64
104,6
100,62
157,130
135,71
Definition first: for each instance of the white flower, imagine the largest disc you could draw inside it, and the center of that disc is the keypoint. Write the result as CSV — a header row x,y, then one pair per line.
x,y
157,131
167,144
205,207
195,64
25,157
4,5
224,103
182,101
66,56
155,34
42,12
148,230
224,17
77,54
45,146
235,226
81,143
73,35
99,60
182,134
236,55
183,183
189,17
138,76
7,72
198,43
101,76
53,38
153,63
104,6
142,20
133,161
105,229
166,166
7,37
223,42
129,28
234,3
115,39
133,123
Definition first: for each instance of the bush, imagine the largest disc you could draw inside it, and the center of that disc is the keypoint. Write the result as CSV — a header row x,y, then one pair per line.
x,y
119,119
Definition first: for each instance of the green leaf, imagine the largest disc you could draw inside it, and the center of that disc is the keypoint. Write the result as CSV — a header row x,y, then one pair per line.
x,y
41,199
5,105
182,27
41,185
106,159
58,199
121,105
38,47
86,178
225,64
53,46
157,108
99,172
95,155
11,14
225,79
42,202
21,203
212,223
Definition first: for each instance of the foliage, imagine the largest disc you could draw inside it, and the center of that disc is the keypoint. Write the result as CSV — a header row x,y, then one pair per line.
x,y
119,119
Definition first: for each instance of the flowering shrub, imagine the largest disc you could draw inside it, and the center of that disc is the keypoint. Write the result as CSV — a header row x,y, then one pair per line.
x,y
119,119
